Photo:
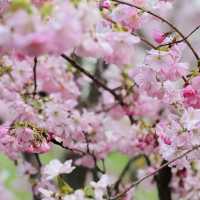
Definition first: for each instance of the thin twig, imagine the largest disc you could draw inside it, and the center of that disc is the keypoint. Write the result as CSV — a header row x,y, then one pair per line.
x,y
92,154
153,173
76,151
147,42
34,160
179,41
124,171
141,38
165,21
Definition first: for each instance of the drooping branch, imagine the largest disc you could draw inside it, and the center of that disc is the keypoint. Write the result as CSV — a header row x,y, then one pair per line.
x,y
166,22
145,41
182,40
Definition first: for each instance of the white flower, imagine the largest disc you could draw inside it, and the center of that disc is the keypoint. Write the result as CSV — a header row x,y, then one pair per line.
x,y
101,186
47,194
191,119
77,195
55,167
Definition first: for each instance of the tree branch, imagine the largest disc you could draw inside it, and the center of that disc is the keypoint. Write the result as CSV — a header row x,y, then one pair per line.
x,y
165,21
163,179
154,172
94,79
98,82
179,41
126,168
75,151
34,160
141,38
35,76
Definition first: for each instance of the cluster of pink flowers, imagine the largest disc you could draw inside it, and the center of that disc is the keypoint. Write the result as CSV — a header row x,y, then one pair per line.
x,y
54,54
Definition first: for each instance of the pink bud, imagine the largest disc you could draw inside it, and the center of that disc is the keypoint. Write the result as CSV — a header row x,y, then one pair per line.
x,y
43,148
50,136
182,172
30,149
105,4
158,36
188,91
167,141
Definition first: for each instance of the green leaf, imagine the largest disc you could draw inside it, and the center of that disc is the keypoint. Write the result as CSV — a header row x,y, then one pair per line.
x,y
89,192
5,70
21,4
46,10
64,187
76,2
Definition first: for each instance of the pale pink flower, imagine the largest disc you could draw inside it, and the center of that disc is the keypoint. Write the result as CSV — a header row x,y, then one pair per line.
x,y
191,93
123,44
96,46
55,167
100,187
127,16
191,119
44,147
77,195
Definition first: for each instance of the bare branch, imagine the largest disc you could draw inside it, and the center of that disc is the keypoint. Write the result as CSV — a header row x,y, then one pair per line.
x,y
35,76
154,173
75,151
98,82
179,41
126,168
165,21
34,160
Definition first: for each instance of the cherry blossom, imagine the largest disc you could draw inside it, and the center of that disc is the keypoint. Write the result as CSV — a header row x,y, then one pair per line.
x,y
97,78
55,167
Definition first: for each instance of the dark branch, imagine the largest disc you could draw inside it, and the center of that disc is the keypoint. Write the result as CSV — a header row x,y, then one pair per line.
x,y
165,21
127,167
35,76
98,82
34,160
154,172
179,41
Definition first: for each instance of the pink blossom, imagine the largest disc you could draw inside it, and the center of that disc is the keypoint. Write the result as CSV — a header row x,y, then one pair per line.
x,y
55,167
127,17
101,185
42,148
158,36
121,43
191,93
105,4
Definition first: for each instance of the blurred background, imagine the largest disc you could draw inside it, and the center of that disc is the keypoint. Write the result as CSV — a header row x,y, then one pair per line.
x,y
115,163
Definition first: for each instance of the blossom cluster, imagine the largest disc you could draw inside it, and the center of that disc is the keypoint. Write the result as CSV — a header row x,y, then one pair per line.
x,y
54,54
